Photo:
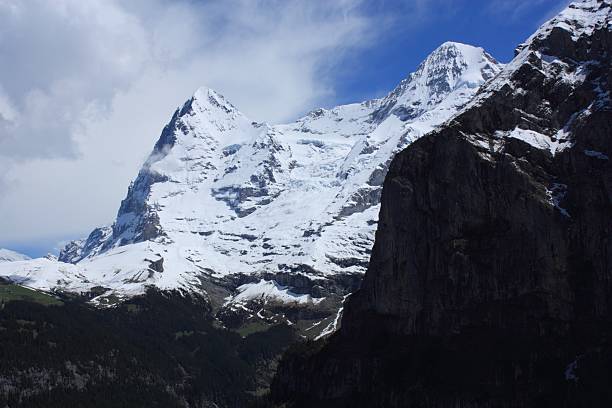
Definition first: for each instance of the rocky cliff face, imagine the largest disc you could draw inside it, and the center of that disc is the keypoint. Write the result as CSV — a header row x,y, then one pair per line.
x,y
490,278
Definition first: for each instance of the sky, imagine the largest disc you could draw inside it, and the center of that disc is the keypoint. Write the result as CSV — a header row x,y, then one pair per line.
x,y
90,84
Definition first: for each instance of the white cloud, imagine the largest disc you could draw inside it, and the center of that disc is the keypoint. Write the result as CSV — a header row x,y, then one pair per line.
x,y
61,58
91,83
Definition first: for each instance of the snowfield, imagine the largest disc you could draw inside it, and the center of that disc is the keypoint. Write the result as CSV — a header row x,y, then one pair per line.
x,y
6,255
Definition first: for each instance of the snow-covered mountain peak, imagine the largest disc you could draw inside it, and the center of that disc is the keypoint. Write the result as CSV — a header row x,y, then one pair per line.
x,y
205,121
208,113
207,96
455,64
451,68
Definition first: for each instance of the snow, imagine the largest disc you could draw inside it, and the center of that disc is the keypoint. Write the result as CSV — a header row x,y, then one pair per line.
x,y
268,290
6,255
535,139
333,326
40,273
315,324
224,194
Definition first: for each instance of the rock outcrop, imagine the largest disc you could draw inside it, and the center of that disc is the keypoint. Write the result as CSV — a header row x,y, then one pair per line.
x,y
490,281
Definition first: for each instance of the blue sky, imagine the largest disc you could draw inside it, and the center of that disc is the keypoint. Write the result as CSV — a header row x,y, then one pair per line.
x,y
497,26
73,136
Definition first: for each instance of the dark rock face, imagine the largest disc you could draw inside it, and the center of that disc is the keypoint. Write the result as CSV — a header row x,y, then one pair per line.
x,y
136,220
490,282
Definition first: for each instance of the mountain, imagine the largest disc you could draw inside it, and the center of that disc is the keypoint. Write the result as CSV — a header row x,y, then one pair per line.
x,y
6,255
251,212
490,282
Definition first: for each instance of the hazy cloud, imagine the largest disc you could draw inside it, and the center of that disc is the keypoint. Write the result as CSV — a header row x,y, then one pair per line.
x,y
61,59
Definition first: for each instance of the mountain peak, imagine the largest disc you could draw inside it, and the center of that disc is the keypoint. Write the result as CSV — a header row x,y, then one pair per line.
x,y
449,68
456,45
452,62
205,96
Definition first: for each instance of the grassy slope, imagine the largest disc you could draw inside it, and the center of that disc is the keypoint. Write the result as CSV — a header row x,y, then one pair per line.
x,y
11,292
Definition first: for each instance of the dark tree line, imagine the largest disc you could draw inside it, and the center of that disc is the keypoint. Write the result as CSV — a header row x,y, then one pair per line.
x,y
162,349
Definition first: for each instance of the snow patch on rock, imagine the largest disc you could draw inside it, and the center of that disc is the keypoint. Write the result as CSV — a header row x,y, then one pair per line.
x,y
269,290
